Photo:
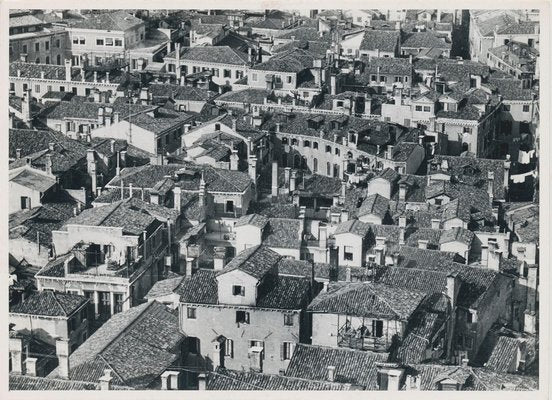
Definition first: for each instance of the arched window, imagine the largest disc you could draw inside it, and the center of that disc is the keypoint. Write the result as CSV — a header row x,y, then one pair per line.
x,y
349,154
336,151
336,171
328,149
217,127
294,142
37,60
328,169
58,59
315,145
284,140
314,165
47,60
306,143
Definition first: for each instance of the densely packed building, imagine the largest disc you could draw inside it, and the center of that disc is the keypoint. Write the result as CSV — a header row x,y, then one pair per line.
x,y
274,200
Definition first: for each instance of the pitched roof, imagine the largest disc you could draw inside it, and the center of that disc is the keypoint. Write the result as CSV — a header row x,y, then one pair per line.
x,y
50,304
367,300
504,354
456,234
427,39
295,60
199,288
374,204
353,226
118,20
355,367
380,40
225,379
257,220
212,54
137,344
27,382
164,287
255,261
415,279
32,179
283,233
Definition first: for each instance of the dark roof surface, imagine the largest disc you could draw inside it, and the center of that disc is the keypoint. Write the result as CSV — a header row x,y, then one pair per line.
x,y
50,304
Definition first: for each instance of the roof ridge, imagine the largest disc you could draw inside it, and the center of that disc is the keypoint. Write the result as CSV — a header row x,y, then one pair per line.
x,y
111,367
52,293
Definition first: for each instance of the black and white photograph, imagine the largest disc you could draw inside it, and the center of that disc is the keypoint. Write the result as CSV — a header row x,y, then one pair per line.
x,y
274,199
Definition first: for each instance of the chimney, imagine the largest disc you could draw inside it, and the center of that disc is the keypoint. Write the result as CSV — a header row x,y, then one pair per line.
x,y
234,160
91,168
390,152
252,168
402,192
107,77
202,192
402,221
62,352
435,223
331,373
380,255
490,185
97,97
507,165
367,105
177,192
287,176
453,284
95,76
422,244
390,375
49,164
26,107
333,85
348,274
16,353
105,380
116,117
169,380
274,178
292,181
494,257
17,154
202,382
395,257
68,70
219,257
216,354
234,124
465,362
30,366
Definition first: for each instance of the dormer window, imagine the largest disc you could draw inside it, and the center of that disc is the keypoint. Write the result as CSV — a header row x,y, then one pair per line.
x,y
238,290
217,127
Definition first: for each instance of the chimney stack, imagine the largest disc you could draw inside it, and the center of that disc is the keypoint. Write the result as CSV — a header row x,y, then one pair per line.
x,y
331,373
274,187
91,168
422,244
105,380
16,353
17,154
402,192
490,185
49,164
68,70
435,223
494,257
348,274
292,181
26,107
62,352
234,160
219,257
453,284
30,366
177,193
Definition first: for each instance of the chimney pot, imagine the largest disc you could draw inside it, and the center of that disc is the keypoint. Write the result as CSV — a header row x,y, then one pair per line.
x,y
331,373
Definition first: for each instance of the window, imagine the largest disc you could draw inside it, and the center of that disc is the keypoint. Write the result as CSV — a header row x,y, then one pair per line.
x,y
377,328
37,46
254,77
506,107
191,312
469,318
526,108
118,42
229,348
238,290
37,88
287,350
37,60
339,103
242,317
62,88
288,319
58,43
315,165
239,74
118,302
289,79
398,79
373,78
47,60
467,130
328,149
58,59
337,151
306,95
406,79
99,42
25,203
226,73
468,342
383,79
193,345
109,41
306,143
25,48
25,86
82,40
438,202
328,169
75,40
73,324
427,109
229,206
419,108
315,145
348,252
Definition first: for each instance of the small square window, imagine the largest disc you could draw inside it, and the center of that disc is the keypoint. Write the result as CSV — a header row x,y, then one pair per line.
x,y
191,311
238,290
99,42
82,40
419,108
118,42
109,41
526,108
288,319
242,317
427,109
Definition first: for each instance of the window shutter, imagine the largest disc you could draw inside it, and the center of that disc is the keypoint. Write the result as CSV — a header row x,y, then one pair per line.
x,y
242,290
231,348
247,317
282,351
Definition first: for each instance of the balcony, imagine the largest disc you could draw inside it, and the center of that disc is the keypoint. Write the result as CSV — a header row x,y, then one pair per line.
x,y
356,339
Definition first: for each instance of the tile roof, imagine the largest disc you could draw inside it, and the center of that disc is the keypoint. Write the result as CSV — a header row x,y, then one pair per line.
x,y
371,300
137,344
355,367
32,179
179,92
283,233
315,185
50,304
257,220
504,354
199,288
456,234
160,120
255,261
388,65
295,60
78,108
27,382
270,23
512,89
30,141
287,292
426,39
374,204
164,287
520,28
380,40
224,379
353,226
212,54
426,281
249,96
487,379
117,20
24,20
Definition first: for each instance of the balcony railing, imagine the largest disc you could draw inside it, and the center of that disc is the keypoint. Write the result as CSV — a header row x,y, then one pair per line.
x,y
355,339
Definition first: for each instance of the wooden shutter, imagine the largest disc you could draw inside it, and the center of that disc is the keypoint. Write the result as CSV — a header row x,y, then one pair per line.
x,y
282,350
246,317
